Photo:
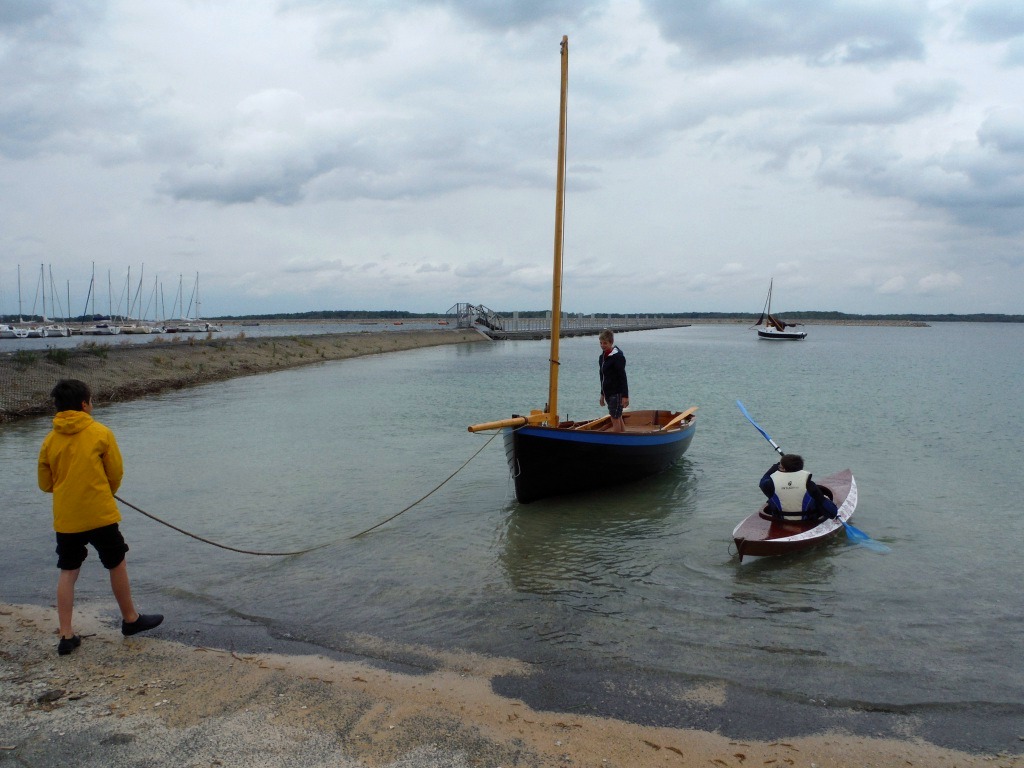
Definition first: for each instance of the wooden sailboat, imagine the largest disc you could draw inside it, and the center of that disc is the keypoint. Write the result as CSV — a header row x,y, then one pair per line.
x,y
772,328
547,456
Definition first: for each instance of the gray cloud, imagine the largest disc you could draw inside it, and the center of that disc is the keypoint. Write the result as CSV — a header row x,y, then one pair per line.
x,y
837,33
908,102
500,14
1015,53
979,186
48,101
16,13
991,21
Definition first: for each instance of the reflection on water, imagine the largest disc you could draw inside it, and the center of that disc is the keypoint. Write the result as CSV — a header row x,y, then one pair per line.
x,y
587,550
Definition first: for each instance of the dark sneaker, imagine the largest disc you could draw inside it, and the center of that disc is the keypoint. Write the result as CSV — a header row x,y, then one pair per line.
x,y
145,622
68,644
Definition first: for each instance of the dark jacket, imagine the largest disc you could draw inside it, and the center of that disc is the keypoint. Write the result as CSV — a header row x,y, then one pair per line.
x,y
823,506
612,369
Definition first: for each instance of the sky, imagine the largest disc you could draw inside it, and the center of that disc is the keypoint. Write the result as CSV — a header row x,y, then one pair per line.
x,y
301,155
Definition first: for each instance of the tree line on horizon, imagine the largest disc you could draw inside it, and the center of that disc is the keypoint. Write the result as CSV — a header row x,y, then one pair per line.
x,y
391,314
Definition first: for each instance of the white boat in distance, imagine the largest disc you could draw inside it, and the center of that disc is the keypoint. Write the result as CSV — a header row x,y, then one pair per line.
x,y
772,328
187,324
102,328
13,332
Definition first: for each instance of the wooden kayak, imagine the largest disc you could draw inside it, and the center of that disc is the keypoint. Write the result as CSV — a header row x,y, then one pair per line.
x,y
762,535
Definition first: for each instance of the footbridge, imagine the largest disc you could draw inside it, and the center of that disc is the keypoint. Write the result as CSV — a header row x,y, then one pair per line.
x,y
498,326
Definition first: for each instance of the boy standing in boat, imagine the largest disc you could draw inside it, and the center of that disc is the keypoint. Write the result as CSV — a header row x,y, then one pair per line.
x,y
80,464
611,366
792,495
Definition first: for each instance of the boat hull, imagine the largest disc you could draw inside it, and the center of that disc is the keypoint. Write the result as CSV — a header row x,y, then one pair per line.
x,y
13,332
760,535
772,335
548,461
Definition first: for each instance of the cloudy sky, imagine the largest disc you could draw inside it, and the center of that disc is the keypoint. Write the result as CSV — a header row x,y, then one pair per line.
x,y
343,154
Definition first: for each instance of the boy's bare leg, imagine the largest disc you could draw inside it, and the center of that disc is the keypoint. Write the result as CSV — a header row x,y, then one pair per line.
x,y
66,600
123,591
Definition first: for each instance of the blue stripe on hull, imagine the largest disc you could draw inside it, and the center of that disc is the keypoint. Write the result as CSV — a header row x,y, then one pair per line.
x,y
546,462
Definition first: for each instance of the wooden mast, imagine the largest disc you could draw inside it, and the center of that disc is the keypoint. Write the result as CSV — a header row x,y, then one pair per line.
x,y
556,277
550,412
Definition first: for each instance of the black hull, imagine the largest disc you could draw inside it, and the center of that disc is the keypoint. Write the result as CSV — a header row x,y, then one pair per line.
x,y
549,461
782,335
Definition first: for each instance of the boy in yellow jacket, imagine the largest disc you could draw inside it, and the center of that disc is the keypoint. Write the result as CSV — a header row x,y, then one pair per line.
x,y
80,464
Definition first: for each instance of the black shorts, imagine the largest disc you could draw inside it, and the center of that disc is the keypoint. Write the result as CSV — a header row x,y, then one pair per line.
x,y
614,405
108,541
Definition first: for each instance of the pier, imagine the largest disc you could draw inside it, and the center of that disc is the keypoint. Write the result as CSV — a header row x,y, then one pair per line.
x,y
504,327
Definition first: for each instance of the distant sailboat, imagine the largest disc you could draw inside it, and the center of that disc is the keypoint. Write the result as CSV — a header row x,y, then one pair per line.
x,y
102,326
186,324
772,328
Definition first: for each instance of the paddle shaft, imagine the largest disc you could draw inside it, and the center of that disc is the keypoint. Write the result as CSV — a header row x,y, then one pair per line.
x,y
758,428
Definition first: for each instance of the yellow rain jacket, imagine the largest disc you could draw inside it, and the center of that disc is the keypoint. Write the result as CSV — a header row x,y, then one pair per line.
x,y
81,465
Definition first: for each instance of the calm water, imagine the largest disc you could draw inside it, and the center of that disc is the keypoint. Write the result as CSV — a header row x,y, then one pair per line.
x,y
623,600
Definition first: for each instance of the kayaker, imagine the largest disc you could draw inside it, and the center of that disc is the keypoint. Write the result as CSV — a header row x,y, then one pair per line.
x,y
792,495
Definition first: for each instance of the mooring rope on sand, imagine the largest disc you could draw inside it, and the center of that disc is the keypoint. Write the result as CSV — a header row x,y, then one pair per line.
x,y
318,546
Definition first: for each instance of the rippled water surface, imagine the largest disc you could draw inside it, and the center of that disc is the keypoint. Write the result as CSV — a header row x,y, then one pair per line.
x,y
639,582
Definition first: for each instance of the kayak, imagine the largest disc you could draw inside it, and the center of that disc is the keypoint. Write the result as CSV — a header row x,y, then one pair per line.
x,y
761,535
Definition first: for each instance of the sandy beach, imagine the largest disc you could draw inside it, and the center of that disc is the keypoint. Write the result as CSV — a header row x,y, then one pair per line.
x,y
149,701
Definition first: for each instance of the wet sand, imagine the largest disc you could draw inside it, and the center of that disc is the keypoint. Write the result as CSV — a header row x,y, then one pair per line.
x,y
150,701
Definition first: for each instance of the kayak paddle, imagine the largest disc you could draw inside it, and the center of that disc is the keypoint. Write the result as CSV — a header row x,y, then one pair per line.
x,y
766,435
856,535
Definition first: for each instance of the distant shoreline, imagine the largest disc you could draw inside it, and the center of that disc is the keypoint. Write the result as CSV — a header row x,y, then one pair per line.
x,y
808,317
829,321
677,322
119,372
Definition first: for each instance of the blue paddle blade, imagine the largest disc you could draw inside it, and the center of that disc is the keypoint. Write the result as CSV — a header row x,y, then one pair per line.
x,y
764,434
858,536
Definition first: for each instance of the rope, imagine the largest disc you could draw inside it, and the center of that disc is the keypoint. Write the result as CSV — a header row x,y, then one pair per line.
x,y
319,546
214,543
453,474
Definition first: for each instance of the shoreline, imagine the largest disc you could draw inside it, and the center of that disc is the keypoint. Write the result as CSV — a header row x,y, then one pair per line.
x,y
116,698
119,372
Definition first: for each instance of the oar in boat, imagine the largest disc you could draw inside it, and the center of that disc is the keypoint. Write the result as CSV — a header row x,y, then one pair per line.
x,y
853,534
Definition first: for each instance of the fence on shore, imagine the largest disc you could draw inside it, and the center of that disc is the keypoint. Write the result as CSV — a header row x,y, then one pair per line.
x,y
515,327
28,375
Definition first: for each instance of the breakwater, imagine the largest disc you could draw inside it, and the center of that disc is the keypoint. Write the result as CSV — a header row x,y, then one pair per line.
x,y
117,372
